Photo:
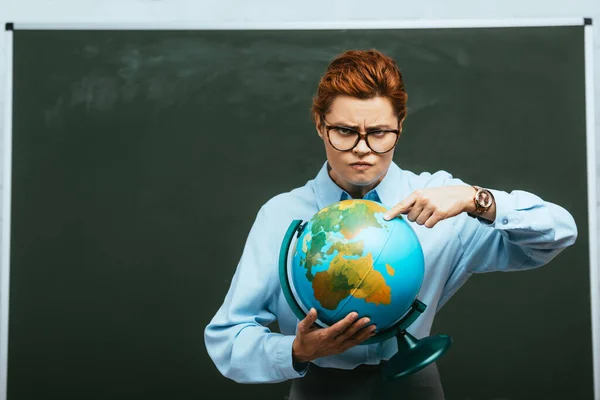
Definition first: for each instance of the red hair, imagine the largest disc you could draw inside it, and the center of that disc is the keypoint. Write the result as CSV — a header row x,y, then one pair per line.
x,y
363,74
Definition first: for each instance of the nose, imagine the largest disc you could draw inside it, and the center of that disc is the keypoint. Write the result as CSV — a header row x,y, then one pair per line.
x,y
361,147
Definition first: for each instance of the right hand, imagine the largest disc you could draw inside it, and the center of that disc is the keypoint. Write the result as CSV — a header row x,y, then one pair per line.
x,y
312,342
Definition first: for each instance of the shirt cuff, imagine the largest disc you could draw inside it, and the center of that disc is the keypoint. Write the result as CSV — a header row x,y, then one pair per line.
x,y
284,361
505,204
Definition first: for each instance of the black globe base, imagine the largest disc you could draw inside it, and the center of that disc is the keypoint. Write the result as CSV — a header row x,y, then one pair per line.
x,y
414,354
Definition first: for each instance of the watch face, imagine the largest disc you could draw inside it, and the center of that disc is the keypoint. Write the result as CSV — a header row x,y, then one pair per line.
x,y
484,198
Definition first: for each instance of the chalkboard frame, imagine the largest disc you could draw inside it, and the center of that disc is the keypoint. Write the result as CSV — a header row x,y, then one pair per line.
x,y
592,227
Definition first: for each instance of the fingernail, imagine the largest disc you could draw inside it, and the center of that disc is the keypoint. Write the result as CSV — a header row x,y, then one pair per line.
x,y
353,315
386,216
366,321
373,328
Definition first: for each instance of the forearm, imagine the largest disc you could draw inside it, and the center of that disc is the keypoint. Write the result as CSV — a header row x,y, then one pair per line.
x,y
525,232
529,221
248,353
550,226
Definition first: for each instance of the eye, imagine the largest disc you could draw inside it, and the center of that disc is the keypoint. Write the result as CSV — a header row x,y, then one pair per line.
x,y
377,134
345,131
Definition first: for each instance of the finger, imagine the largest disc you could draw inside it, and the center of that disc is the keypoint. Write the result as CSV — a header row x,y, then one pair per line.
x,y
353,329
402,207
433,220
424,216
415,212
365,333
340,326
308,321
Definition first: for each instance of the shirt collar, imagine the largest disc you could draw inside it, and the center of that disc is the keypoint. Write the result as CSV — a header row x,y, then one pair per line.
x,y
386,192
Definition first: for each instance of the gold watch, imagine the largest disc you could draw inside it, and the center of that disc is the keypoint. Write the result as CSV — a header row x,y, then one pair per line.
x,y
483,200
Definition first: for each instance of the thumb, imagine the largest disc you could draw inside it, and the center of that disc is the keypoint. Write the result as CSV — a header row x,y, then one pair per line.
x,y
308,321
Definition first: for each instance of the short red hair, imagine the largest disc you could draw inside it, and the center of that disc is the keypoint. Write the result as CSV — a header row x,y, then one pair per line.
x,y
363,74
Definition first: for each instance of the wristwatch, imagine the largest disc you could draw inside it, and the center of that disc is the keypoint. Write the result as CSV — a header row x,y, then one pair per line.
x,y
483,200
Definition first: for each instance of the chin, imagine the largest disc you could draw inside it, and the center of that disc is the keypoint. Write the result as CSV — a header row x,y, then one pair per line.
x,y
369,176
361,180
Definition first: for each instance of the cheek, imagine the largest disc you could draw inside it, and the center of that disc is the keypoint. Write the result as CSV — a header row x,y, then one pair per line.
x,y
386,159
333,156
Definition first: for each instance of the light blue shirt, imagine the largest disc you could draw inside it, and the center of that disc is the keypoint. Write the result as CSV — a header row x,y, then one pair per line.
x,y
527,233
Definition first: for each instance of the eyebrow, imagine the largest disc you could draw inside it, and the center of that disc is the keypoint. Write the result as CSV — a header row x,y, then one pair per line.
x,y
368,128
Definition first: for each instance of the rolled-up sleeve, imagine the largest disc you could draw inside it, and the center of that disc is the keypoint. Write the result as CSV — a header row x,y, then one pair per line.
x,y
237,338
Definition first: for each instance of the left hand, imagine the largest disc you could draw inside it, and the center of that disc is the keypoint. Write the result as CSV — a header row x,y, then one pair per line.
x,y
431,205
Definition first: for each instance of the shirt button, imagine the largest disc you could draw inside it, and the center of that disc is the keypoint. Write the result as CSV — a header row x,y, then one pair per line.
x,y
505,221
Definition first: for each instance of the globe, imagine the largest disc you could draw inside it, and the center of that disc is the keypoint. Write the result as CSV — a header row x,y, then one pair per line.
x,y
348,258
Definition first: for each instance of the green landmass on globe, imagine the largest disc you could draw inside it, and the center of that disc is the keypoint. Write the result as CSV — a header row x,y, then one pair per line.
x,y
350,272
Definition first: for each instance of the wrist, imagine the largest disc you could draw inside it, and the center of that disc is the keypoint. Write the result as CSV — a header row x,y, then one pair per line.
x,y
482,204
469,204
483,200
297,356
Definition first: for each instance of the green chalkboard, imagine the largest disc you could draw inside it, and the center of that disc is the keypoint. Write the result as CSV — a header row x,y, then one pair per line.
x,y
140,159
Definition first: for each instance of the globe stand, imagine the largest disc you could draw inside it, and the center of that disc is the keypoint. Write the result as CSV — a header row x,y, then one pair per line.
x,y
413,354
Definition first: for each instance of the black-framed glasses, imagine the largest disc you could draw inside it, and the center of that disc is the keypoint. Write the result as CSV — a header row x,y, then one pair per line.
x,y
343,138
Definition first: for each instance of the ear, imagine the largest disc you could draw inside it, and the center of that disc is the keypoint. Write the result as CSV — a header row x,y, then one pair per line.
x,y
318,125
400,124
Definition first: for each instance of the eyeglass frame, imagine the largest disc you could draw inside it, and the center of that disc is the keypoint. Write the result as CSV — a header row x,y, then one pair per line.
x,y
361,136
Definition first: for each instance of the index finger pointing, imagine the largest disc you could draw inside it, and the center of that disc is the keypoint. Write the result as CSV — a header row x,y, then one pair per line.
x,y
402,207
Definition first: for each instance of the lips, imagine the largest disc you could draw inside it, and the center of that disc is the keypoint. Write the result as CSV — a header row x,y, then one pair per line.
x,y
361,166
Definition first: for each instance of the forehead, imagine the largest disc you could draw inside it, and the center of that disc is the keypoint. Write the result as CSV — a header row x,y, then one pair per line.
x,y
352,109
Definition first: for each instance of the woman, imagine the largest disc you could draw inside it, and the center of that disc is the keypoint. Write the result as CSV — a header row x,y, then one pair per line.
x,y
358,110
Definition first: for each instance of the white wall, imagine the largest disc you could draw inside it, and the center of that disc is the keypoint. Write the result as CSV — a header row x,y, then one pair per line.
x,y
224,11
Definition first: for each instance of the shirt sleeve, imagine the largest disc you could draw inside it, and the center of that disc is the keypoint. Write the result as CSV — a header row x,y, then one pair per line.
x,y
527,233
237,338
